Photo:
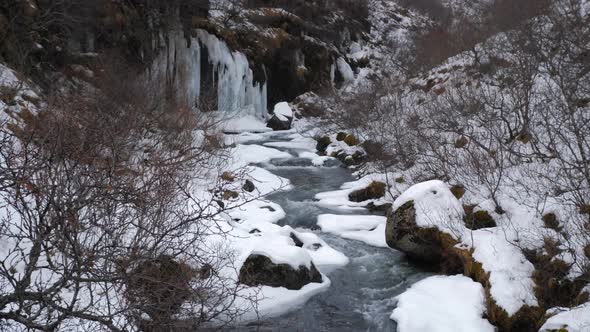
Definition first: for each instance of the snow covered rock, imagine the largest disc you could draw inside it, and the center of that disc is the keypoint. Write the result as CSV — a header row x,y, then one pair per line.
x,y
571,320
422,221
261,270
375,190
282,117
442,304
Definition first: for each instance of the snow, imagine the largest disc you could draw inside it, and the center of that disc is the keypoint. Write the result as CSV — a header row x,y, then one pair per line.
x,y
572,320
283,111
316,159
244,123
510,272
275,301
442,304
248,154
366,228
281,250
298,143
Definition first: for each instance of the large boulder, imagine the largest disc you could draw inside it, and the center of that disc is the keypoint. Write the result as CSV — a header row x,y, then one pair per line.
x,y
402,233
261,270
424,223
282,117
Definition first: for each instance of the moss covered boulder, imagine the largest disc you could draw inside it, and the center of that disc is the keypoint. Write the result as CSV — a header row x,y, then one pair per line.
x,y
322,144
375,190
423,244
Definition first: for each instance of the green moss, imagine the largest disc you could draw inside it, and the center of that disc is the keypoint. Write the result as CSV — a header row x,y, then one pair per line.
x,y
350,140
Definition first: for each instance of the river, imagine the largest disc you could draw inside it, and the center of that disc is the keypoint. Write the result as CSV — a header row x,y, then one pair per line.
x,y
361,297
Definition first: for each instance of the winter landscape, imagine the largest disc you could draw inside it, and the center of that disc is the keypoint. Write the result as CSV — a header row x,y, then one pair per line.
x,y
295,165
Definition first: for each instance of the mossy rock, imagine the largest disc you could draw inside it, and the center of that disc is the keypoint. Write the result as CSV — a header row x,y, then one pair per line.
x,y
341,136
350,140
322,144
230,194
461,142
478,220
381,209
375,190
458,191
550,221
584,208
426,245
400,180
228,176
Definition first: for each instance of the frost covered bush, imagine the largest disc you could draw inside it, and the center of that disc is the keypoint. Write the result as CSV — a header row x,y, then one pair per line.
x,y
105,215
508,119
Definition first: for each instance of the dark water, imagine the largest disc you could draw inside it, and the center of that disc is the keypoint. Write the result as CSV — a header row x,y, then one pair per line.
x,y
361,295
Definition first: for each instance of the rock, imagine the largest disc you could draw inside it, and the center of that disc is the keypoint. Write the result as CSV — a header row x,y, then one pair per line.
x,y
461,142
282,117
550,221
296,240
228,176
260,270
341,136
230,194
373,191
323,143
4,24
350,140
254,231
220,203
309,105
478,220
381,209
30,8
316,246
423,244
458,190
275,123
249,186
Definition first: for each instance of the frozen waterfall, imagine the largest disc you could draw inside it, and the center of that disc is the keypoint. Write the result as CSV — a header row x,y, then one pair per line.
x,y
209,67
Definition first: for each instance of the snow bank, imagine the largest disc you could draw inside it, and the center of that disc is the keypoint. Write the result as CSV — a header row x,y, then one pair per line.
x,y
510,272
442,304
248,154
365,228
572,320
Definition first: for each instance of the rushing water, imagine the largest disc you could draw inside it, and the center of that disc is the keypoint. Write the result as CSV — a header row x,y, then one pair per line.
x,y
361,295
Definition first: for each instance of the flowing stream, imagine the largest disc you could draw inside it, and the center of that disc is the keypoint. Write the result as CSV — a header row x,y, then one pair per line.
x,y
361,295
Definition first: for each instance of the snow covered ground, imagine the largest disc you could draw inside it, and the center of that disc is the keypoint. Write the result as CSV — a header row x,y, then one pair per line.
x,y
442,304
